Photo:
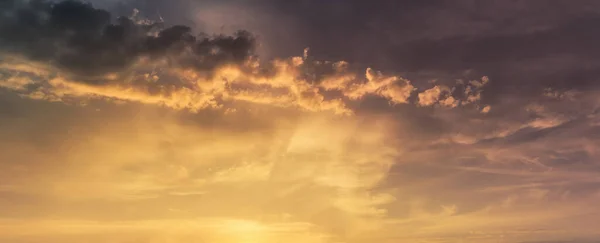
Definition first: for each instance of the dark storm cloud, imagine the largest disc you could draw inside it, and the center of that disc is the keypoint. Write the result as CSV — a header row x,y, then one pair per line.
x,y
84,40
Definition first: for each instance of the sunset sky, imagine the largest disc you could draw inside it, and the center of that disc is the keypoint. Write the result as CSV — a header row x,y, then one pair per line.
x,y
300,121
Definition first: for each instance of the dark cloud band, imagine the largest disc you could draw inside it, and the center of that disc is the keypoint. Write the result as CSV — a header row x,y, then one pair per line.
x,y
82,39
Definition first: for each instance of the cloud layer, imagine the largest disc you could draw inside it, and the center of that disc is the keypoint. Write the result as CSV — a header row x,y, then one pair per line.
x,y
406,121
72,50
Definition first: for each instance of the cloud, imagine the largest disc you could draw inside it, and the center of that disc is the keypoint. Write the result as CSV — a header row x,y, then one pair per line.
x,y
319,171
85,54
431,96
430,153
452,97
79,38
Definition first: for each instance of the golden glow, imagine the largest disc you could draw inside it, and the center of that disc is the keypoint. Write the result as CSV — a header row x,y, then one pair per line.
x,y
238,155
287,86
296,180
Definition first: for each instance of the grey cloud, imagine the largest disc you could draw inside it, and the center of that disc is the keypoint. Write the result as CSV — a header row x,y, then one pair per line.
x,y
84,40
506,40
523,46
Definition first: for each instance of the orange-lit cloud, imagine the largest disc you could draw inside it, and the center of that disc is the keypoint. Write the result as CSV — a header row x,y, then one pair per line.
x,y
132,131
285,84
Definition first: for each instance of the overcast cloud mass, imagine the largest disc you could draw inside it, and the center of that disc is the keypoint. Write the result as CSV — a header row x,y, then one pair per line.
x,y
309,121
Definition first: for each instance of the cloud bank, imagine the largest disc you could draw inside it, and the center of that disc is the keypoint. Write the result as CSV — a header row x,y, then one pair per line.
x,y
124,129
71,50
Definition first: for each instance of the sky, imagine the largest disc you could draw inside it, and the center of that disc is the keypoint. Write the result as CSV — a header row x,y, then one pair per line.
x,y
304,121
